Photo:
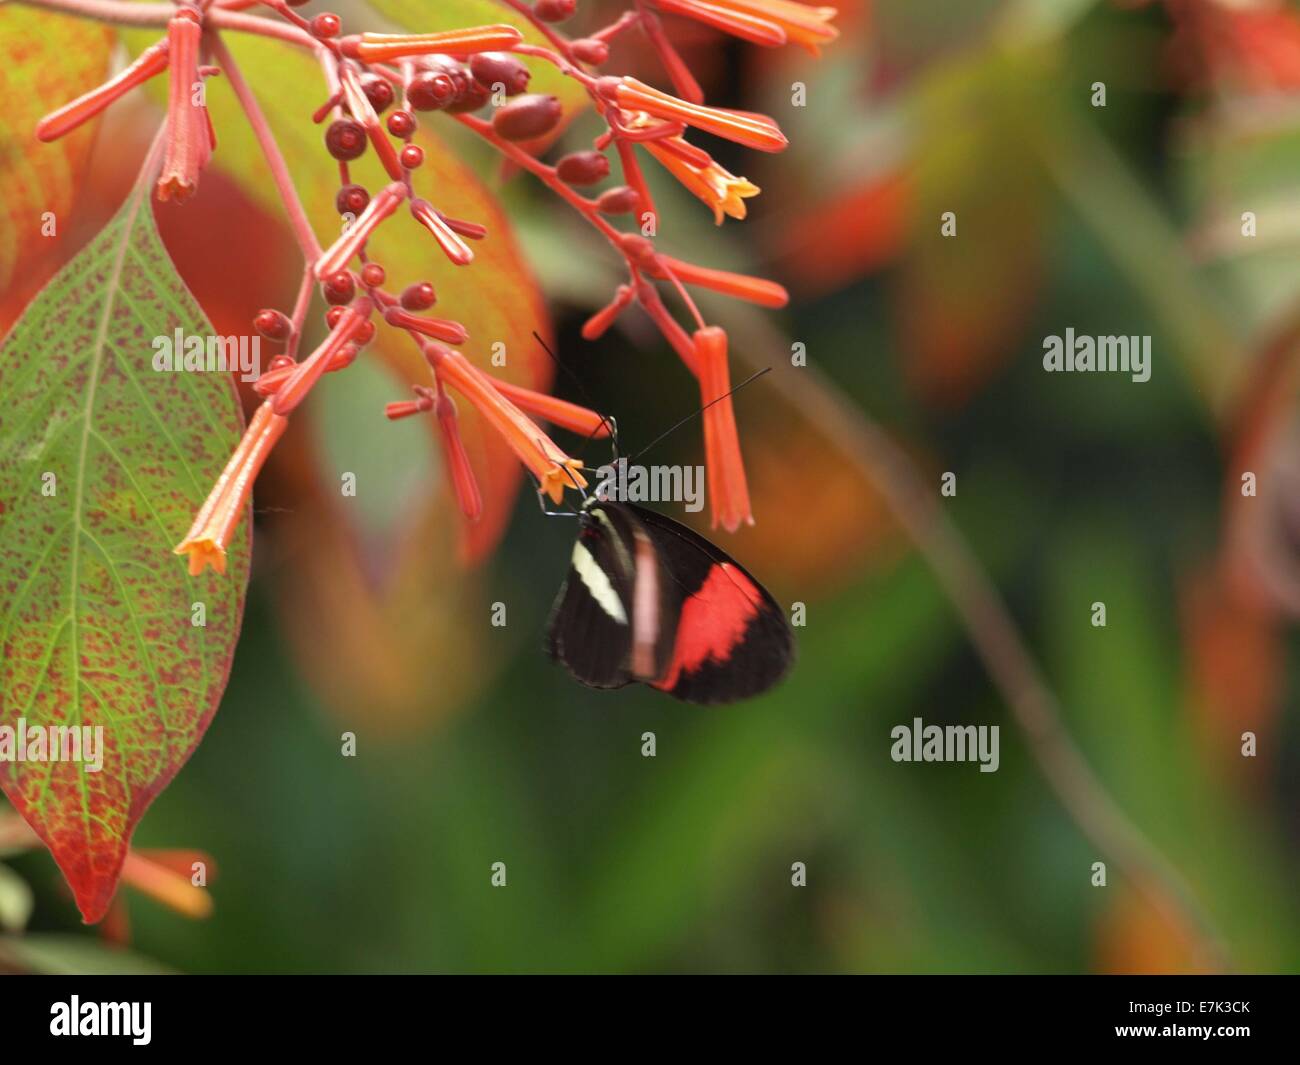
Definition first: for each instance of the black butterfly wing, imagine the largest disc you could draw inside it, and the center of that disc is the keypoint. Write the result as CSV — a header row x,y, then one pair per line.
x,y
731,639
590,625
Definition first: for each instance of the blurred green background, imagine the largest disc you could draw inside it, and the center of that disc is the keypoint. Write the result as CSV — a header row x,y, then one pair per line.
x,y
1072,489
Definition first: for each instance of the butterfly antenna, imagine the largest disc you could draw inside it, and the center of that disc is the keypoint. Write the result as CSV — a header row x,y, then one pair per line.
x,y
605,420
695,414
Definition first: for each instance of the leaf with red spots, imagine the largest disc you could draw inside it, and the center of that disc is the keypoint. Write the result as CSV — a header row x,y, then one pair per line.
x,y
103,461
45,60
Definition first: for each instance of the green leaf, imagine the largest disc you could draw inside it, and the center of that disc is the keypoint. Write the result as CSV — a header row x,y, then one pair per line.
x,y
62,955
45,61
15,901
103,462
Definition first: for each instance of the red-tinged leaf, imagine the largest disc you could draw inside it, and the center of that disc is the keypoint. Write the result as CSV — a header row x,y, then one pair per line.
x,y
1133,937
838,239
1236,661
45,61
103,462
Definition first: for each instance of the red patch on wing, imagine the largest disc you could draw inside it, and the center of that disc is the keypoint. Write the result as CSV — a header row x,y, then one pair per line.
x,y
713,622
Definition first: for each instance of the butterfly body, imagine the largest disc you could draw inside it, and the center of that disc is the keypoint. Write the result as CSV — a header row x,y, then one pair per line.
x,y
648,600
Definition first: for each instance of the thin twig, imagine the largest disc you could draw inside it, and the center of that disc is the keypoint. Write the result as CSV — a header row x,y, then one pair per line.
x,y
1010,665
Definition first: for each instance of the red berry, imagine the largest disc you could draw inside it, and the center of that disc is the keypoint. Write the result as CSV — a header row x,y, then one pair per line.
x,y
526,117
372,275
280,362
419,297
590,50
273,324
429,90
582,168
351,199
366,333
332,316
345,139
378,91
619,200
339,288
499,68
411,156
555,10
401,124
326,26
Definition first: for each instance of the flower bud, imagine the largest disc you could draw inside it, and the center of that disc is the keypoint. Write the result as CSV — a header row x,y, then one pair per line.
x,y
378,91
526,117
351,199
273,324
555,10
430,90
473,97
419,296
582,168
345,139
622,199
590,50
492,68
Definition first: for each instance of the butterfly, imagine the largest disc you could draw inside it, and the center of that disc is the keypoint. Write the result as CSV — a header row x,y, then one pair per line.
x,y
646,599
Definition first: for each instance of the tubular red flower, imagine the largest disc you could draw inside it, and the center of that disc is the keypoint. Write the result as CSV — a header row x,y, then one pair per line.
x,y
334,258
443,329
406,407
215,523
452,246
351,323
153,60
755,20
728,488
571,416
144,872
189,130
704,179
743,127
751,289
385,46
740,24
554,470
595,326
457,459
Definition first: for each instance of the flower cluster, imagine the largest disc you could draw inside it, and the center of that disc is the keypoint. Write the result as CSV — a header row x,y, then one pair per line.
x,y
459,73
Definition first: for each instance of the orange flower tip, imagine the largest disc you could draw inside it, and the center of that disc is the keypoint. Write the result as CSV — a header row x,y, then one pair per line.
x,y
566,474
203,553
172,187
